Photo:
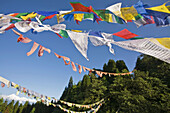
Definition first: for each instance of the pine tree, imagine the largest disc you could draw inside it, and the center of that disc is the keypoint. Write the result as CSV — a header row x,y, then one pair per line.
x,y
4,105
16,107
10,106
33,110
120,64
70,84
1,104
20,108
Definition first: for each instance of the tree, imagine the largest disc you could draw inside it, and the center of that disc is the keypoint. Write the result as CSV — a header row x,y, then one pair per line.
x,y
120,64
16,107
4,105
1,104
33,110
9,108
70,84
110,67
20,108
85,82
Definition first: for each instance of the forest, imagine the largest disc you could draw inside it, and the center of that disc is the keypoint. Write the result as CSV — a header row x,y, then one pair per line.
x,y
146,90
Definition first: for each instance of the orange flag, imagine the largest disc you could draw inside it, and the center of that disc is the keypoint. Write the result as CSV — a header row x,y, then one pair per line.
x,y
34,47
80,69
73,66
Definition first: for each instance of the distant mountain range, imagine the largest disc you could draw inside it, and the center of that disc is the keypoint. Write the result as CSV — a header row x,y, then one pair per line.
x,y
17,98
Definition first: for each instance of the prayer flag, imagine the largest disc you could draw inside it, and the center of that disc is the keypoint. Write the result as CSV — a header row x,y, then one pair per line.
x,y
9,27
129,13
23,26
63,33
41,50
161,8
34,47
73,66
146,46
80,68
2,84
88,16
84,69
140,8
139,20
116,9
162,42
78,17
18,15
80,41
49,17
77,6
21,38
5,81
31,15
125,34
68,17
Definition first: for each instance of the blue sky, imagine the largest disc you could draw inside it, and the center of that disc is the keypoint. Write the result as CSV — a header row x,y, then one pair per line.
x,y
48,75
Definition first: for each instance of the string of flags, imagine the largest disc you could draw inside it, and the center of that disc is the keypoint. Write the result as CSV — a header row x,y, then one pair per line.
x,y
80,105
98,38
49,100
93,110
66,60
139,13
81,43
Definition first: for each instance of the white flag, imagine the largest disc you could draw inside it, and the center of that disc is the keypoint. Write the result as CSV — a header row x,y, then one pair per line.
x,y
80,40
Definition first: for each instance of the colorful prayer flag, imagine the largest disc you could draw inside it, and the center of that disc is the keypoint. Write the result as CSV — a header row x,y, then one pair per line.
x,y
125,34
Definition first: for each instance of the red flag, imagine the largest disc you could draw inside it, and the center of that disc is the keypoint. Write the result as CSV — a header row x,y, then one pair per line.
x,y
2,84
125,34
49,17
10,27
79,7
15,14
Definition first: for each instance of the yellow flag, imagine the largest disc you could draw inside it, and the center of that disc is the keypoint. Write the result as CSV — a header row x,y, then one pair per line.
x,y
16,86
31,15
161,8
79,31
78,17
109,17
164,41
49,98
129,13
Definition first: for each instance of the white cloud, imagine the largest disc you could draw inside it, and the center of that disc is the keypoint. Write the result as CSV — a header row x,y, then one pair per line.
x,y
17,98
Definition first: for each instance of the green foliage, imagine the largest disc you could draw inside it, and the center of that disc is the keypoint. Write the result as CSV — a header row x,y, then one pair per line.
x,y
33,110
1,104
4,105
70,84
146,91
16,107
120,64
